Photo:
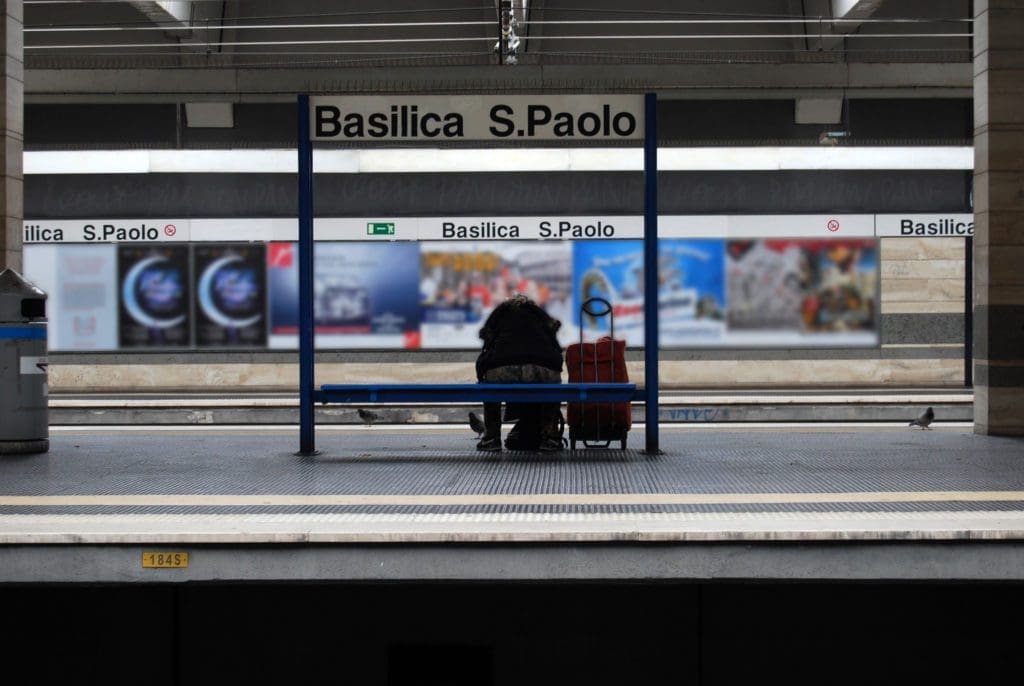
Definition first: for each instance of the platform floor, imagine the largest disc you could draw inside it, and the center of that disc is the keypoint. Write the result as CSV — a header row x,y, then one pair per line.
x,y
126,489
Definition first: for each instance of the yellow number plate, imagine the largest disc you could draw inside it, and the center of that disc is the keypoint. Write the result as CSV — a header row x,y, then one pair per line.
x,y
170,560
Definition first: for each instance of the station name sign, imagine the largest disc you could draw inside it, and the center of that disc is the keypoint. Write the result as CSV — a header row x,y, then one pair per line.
x,y
535,228
439,118
929,225
106,231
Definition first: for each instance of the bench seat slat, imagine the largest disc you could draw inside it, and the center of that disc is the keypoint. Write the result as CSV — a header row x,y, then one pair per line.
x,y
422,393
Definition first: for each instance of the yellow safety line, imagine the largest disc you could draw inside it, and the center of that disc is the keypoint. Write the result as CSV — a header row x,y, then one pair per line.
x,y
193,500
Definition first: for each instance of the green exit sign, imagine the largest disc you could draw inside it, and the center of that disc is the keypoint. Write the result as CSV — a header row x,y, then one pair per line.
x,y
380,229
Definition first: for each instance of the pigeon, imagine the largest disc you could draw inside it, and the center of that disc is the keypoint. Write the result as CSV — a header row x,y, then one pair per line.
x,y
924,419
368,417
476,424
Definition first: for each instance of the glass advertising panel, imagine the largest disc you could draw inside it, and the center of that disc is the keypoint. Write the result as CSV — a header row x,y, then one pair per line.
x,y
802,291
364,295
154,285
691,289
460,283
230,295
87,296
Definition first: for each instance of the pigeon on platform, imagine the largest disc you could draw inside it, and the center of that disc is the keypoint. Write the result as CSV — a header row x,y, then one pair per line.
x,y
368,417
476,424
924,419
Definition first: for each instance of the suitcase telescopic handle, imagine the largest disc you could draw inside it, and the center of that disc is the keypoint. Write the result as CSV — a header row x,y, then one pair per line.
x,y
598,307
590,306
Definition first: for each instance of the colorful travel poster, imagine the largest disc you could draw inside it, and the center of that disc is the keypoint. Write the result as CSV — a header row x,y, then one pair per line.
x,y
364,295
691,289
789,291
155,296
842,293
691,292
230,295
460,283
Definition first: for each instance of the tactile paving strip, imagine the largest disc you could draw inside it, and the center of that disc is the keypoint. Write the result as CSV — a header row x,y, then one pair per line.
x,y
404,463
564,508
375,462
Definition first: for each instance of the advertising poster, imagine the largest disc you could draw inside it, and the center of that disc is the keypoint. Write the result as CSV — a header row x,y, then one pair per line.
x,y
154,285
230,295
691,289
86,314
39,267
691,292
842,293
792,291
364,295
460,283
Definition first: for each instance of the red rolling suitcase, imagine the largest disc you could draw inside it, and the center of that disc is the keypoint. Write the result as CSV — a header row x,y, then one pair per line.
x,y
601,361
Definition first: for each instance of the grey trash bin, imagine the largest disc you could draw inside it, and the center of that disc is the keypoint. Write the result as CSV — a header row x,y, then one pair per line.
x,y
24,416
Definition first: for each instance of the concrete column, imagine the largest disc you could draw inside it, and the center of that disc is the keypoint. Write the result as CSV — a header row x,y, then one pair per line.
x,y
999,217
12,127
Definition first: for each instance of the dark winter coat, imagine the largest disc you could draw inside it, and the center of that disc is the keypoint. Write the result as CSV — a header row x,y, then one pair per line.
x,y
519,332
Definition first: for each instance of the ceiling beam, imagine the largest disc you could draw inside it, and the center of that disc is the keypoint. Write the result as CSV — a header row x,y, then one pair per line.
x,y
677,80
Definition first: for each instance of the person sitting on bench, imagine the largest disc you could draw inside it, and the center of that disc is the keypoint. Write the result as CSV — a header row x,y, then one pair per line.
x,y
519,346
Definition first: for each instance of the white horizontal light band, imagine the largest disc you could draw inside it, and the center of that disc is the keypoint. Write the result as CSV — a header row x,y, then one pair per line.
x,y
498,160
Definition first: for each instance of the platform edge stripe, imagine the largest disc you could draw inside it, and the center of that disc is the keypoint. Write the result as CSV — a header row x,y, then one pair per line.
x,y
206,529
224,500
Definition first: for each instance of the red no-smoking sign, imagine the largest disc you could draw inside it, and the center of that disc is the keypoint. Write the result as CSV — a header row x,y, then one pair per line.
x,y
170,229
833,225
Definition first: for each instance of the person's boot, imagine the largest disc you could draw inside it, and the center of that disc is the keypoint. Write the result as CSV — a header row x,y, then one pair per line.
x,y
489,444
551,431
549,444
491,440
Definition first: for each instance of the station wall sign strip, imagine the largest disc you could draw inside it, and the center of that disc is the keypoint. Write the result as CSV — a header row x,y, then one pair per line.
x,y
507,118
497,228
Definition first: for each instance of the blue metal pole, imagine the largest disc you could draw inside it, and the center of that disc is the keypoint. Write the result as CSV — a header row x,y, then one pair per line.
x,y
651,270
307,428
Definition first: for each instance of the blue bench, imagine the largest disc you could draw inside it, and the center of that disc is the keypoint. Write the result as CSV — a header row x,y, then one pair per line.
x,y
484,393
478,393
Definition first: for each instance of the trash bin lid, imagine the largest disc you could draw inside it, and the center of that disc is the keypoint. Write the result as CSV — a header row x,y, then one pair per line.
x,y
14,290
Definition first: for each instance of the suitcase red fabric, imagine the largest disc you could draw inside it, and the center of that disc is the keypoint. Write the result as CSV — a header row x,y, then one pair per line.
x,y
601,361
